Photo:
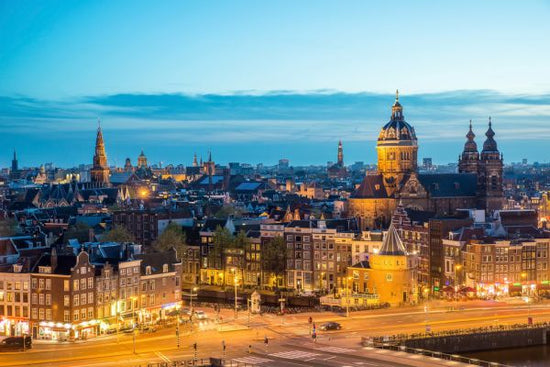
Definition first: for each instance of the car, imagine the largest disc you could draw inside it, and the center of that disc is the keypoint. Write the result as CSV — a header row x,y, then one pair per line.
x,y
330,326
201,315
15,343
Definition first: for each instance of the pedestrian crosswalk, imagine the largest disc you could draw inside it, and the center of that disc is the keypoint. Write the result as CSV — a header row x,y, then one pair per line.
x,y
252,360
335,350
295,354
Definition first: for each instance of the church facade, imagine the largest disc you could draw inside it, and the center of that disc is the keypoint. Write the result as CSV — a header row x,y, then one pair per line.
x,y
478,184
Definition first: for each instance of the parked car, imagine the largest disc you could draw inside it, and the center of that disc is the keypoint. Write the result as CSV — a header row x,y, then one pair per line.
x,y
15,343
330,326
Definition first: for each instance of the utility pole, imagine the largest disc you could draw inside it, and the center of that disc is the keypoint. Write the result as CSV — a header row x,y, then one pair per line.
x,y
347,296
178,331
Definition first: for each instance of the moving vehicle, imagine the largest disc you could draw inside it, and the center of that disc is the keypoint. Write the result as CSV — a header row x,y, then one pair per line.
x,y
15,343
201,315
330,326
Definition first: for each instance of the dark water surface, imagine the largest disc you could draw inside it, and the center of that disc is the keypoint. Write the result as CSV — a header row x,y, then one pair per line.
x,y
531,356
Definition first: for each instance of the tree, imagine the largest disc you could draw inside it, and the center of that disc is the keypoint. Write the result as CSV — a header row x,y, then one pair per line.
x,y
241,240
274,257
8,227
222,239
172,237
118,234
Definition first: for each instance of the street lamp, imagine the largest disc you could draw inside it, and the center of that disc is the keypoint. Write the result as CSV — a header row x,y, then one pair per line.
x,y
457,282
191,295
235,280
347,296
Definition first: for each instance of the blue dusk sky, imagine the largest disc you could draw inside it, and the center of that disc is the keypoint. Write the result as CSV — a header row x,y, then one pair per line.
x,y
255,81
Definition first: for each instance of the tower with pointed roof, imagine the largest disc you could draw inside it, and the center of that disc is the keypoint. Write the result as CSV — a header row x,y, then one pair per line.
x,y
195,163
490,173
99,173
397,148
128,165
468,161
14,163
14,173
340,161
393,271
142,160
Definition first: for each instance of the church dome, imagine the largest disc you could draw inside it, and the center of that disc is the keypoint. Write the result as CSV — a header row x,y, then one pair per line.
x,y
397,128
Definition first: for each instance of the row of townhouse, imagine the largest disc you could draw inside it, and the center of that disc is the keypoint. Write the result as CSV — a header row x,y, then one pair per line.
x,y
83,293
513,267
317,255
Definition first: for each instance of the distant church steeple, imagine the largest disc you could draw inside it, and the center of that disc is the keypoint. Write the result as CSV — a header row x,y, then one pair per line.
x,y
340,154
99,173
195,163
14,163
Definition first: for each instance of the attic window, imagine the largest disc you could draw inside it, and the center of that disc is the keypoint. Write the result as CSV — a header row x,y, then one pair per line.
x,y
165,268
148,270
377,187
457,185
44,269
17,268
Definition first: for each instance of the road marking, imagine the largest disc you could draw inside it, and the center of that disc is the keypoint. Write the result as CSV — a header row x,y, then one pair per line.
x,y
163,357
252,360
295,354
335,350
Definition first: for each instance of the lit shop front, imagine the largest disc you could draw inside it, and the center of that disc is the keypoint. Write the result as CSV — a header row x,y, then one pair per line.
x,y
13,326
515,289
58,331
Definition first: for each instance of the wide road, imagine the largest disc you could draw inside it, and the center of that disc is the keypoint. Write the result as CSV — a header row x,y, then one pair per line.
x,y
289,344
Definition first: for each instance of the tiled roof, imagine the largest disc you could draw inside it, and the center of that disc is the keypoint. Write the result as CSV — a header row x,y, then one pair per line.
x,y
449,184
392,244
371,187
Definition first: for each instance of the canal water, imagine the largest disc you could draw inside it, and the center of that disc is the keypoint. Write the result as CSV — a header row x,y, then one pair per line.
x,y
530,356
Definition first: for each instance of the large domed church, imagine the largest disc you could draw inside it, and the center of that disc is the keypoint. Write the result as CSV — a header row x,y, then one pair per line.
x,y
478,184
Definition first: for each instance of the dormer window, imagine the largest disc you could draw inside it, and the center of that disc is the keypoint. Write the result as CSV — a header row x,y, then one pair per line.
x,y
165,268
148,270
45,269
17,268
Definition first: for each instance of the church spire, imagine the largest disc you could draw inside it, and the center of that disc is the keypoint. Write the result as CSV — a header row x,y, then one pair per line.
x,y
195,163
340,154
397,109
100,170
14,163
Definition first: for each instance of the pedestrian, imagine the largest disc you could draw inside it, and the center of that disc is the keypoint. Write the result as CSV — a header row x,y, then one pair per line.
x,y
249,348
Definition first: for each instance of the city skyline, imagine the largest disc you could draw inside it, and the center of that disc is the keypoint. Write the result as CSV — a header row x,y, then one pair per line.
x,y
295,78
304,128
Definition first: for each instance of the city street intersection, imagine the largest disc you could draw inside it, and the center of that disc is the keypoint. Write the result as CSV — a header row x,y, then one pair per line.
x,y
290,342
